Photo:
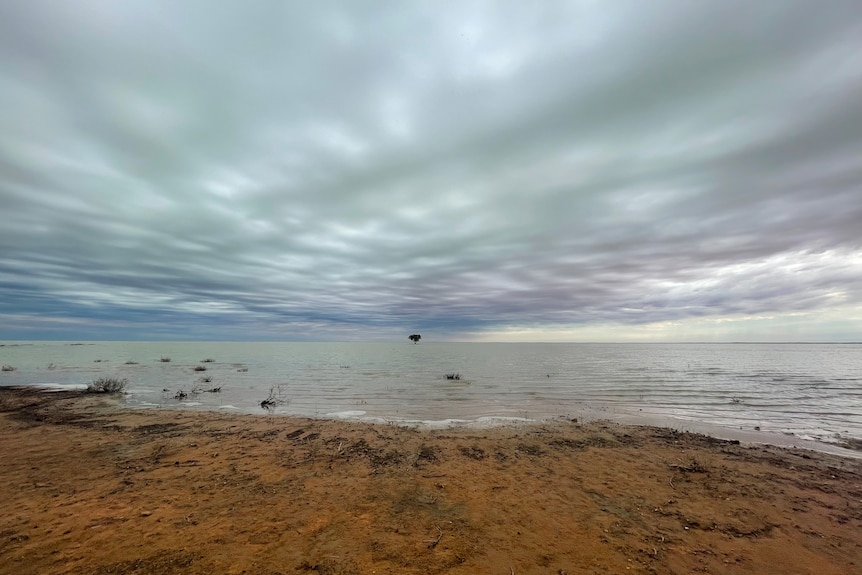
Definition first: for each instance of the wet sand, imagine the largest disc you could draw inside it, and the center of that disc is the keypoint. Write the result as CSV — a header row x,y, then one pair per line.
x,y
88,487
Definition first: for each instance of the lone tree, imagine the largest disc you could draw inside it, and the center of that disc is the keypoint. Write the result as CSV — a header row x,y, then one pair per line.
x,y
415,338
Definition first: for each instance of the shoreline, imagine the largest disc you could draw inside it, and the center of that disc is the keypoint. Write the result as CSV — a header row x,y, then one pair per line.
x,y
844,447
89,486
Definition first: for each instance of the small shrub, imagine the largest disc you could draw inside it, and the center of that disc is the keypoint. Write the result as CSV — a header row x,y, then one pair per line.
x,y
208,360
274,399
165,359
181,395
197,389
205,379
453,376
130,362
7,367
107,385
200,368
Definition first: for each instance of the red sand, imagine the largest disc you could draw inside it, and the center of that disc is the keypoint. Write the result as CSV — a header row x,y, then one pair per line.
x,y
89,487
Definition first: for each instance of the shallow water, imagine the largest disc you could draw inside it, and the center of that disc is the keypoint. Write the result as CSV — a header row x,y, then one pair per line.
x,y
809,391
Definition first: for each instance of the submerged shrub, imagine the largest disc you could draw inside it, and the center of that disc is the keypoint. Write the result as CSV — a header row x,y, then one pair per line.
x,y
207,360
274,399
200,368
453,376
107,385
8,367
164,359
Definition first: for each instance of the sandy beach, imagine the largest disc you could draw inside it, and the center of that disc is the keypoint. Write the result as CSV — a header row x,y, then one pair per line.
x,y
90,487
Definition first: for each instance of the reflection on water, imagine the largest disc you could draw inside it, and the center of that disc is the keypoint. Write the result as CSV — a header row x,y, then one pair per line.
x,y
811,391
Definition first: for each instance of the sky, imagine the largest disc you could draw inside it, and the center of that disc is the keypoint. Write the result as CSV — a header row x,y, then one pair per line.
x,y
470,171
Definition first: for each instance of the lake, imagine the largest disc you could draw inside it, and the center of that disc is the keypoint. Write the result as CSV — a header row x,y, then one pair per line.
x,y
802,391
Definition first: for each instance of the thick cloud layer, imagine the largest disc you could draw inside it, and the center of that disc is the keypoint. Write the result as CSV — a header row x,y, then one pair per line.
x,y
470,170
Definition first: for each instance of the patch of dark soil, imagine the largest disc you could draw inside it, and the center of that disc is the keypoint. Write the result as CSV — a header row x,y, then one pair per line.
x,y
693,466
13,399
384,459
158,428
476,453
163,563
735,531
294,434
427,454
36,414
376,456
628,440
692,439
327,567
532,450
268,435
568,444
35,407
564,444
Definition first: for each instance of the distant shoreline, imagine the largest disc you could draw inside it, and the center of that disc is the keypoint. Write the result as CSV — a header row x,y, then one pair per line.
x,y
14,342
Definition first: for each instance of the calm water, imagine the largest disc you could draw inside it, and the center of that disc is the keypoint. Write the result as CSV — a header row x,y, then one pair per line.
x,y
809,391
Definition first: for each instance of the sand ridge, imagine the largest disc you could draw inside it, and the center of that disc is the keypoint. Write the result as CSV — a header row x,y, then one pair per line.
x,y
87,486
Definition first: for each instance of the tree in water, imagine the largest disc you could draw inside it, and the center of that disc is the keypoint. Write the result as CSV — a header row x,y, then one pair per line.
x,y
415,338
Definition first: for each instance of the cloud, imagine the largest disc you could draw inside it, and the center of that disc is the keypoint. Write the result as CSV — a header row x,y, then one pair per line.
x,y
355,170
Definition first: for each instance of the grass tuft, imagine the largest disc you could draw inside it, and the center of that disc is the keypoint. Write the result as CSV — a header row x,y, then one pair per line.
x,y
107,385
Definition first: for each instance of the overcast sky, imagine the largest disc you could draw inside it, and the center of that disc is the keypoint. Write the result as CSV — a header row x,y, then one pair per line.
x,y
492,171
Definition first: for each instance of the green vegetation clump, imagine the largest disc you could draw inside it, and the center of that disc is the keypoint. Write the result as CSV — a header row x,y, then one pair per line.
x,y
107,385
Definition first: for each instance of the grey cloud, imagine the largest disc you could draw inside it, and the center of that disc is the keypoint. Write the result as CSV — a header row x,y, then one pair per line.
x,y
310,170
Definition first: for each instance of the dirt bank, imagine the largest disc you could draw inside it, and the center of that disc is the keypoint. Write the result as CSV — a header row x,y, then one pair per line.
x,y
87,487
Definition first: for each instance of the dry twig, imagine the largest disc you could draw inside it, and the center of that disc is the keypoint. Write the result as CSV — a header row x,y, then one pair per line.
x,y
434,542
